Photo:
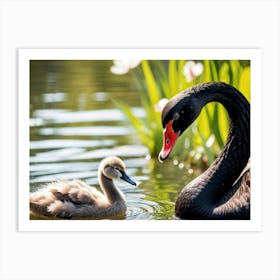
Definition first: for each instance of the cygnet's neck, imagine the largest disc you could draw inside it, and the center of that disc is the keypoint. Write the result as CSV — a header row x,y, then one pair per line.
x,y
111,192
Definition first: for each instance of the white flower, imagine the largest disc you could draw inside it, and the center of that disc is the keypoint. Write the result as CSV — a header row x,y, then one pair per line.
x,y
192,70
122,67
160,105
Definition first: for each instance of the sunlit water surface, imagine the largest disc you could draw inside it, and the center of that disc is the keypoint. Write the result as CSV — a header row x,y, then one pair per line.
x,y
74,124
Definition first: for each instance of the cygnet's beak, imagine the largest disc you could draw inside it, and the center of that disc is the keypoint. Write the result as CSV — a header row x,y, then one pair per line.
x,y
127,179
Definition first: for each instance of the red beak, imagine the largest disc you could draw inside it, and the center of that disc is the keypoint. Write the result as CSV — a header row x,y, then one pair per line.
x,y
169,140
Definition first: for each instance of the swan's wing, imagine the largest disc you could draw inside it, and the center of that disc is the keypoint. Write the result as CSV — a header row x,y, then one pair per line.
x,y
244,177
238,198
243,187
75,191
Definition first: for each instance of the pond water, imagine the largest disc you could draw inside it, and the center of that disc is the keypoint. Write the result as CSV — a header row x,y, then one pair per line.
x,y
74,124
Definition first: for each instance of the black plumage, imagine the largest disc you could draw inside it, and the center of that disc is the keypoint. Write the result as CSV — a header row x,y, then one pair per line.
x,y
223,190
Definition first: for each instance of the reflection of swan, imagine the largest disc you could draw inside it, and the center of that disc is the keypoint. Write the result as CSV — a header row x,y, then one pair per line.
x,y
223,190
75,199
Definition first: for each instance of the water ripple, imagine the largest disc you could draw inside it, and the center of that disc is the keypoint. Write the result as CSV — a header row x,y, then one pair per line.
x,y
141,206
86,131
63,116
59,143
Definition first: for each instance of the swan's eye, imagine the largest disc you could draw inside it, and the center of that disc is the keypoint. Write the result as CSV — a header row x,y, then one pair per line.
x,y
176,116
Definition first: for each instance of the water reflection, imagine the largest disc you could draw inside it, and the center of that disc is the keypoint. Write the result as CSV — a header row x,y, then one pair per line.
x,y
74,124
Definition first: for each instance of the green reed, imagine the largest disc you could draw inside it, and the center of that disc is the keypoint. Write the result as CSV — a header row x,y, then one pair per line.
x,y
164,79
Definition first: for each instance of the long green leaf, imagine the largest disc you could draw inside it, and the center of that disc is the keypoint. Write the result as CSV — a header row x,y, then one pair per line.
x,y
235,70
173,77
207,71
214,71
139,126
244,84
216,125
153,91
222,123
182,78
161,76
224,73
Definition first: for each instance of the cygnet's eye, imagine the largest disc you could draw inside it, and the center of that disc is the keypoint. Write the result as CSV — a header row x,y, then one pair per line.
x,y
112,172
119,171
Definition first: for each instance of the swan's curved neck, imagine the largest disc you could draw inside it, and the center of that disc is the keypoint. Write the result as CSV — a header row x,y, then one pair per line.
x,y
224,171
112,193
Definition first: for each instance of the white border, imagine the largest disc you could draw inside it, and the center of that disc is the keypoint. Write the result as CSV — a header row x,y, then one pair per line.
x,y
24,57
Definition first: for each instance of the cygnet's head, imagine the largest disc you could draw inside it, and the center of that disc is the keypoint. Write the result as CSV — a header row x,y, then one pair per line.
x,y
114,168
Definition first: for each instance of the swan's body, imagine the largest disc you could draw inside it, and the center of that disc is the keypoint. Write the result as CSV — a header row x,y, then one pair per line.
x,y
75,199
223,190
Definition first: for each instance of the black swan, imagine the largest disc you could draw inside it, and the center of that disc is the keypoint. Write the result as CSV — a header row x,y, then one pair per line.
x,y
76,199
223,190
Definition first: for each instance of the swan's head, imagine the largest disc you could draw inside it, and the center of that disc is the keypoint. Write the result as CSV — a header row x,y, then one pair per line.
x,y
177,115
114,168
